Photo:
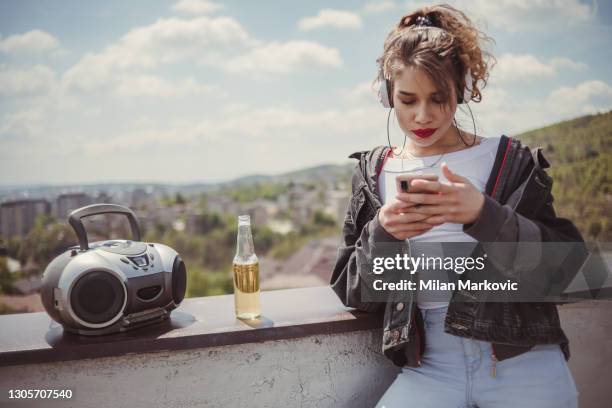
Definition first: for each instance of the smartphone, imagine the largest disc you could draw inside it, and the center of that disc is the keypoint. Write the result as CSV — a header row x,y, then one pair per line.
x,y
403,182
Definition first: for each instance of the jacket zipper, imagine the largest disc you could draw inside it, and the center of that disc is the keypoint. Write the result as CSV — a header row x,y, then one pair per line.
x,y
412,312
498,179
508,147
494,361
418,339
384,155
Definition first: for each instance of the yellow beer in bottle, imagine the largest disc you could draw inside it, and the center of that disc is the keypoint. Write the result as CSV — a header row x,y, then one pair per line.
x,y
246,273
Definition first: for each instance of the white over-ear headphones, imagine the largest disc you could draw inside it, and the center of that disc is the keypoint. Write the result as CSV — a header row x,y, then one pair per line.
x,y
386,99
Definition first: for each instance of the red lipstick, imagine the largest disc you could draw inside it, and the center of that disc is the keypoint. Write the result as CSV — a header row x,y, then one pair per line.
x,y
424,132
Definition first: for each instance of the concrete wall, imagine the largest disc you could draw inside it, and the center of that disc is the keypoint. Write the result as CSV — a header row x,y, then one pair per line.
x,y
589,329
338,370
341,370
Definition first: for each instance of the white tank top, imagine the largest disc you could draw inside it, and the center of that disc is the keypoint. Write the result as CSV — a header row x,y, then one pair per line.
x,y
474,163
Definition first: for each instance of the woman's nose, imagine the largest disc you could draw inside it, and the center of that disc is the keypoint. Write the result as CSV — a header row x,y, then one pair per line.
x,y
423,114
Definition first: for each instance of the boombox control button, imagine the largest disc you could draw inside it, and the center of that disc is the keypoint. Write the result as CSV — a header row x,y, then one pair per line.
x,y
141,260
124,260
151,245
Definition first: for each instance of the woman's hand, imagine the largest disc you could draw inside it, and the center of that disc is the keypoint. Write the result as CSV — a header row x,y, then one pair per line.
x,y
457,200
396,218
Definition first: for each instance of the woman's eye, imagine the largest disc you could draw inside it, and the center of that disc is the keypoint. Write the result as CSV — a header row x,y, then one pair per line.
x,y
408,102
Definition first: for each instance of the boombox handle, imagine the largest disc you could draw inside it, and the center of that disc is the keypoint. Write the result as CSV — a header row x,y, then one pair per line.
x,y
76,216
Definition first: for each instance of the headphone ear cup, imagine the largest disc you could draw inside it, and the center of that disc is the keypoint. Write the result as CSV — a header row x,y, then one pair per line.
x,y
467,91
389,93
384,93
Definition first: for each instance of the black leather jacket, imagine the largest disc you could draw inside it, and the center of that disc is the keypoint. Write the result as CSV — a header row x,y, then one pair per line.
x,y
518,207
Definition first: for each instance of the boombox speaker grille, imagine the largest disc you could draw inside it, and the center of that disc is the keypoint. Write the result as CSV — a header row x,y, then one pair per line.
x,y
97,297
179,280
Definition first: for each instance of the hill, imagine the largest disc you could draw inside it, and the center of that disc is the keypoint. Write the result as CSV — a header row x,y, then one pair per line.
x,y
580,154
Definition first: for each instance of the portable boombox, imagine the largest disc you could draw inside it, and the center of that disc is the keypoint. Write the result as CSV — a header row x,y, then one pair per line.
x,y
115,285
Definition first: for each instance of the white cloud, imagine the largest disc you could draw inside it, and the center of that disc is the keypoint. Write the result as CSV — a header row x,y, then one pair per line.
x,y
528,68
503,112
331,18
263,126
561,62
511,67
163,42
197,6
29,80
284,57
136,139
32,42
587,97
220,42
24,124
375,7
154,86
516,15
362,92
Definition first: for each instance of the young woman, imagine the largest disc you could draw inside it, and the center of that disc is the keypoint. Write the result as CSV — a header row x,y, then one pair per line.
x,y
454,350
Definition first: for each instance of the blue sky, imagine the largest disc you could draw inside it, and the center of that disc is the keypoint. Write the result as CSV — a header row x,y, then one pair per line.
x,y
193,90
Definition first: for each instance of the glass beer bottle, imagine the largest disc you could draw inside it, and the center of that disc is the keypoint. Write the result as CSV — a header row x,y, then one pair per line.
x,y
246,273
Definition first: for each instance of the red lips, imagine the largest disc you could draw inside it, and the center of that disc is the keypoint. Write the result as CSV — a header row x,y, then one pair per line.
x,y
424,132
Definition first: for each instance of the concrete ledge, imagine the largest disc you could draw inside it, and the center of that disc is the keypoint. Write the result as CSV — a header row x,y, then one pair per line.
x,y
199,322
308,350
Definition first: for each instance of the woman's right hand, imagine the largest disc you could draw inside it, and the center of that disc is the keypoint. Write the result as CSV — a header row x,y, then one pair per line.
x,y
396,218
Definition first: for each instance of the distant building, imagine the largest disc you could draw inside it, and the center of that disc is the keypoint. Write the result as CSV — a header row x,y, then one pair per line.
x,y
103,198
27,286
66,203
337,204
194,225
281,226
261,211
221,204
139,198
159,216
304,202
17,217
13,265
198,222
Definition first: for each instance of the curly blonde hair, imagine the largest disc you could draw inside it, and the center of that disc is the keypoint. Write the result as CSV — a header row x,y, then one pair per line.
x,y
447,50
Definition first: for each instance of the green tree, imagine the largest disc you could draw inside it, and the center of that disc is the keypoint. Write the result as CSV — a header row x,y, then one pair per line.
x,y
595,229
323,219
45,241
6,277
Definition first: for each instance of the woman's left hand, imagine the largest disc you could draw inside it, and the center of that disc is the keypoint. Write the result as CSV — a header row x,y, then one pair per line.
x,y
456,201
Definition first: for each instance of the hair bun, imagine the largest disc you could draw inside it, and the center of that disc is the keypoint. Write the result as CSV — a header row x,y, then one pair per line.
x,y
423,21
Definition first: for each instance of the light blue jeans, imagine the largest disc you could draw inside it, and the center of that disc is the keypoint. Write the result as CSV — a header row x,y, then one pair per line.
x,y
457,372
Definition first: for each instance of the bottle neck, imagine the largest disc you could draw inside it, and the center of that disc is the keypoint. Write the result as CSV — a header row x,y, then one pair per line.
x,y
245,249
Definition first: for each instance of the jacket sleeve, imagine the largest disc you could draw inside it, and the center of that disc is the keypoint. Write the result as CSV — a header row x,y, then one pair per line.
x,y
541,250
352,272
